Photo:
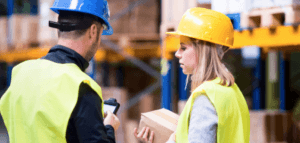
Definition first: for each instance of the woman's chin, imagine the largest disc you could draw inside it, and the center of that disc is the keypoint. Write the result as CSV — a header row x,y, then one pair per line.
x,y
186,72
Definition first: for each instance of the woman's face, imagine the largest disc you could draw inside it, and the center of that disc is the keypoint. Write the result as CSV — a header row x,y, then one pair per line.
x,y
186,55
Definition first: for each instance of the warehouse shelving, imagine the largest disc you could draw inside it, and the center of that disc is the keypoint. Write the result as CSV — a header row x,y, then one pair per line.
x,y
101,54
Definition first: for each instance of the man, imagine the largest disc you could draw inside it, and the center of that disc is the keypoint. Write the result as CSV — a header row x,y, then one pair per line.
x,y
51,99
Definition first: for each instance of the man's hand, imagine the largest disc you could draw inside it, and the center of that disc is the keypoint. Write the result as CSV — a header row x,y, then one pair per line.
x,y
112,119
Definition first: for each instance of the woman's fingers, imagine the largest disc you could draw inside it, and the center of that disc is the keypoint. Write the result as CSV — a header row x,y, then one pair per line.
x,y
151,137
146,134
141,132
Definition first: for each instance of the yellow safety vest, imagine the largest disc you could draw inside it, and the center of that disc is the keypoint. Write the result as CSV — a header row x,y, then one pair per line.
x,y
37,106
231,108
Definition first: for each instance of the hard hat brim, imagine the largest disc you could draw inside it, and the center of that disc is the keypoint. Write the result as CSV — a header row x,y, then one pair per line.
x,y
177,33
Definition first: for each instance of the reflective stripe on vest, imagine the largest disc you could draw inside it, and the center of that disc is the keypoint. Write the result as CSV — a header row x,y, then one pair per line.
x,y
39,102
232,110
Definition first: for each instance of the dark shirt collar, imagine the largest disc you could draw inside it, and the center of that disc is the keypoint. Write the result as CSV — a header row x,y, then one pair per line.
x,y
62,54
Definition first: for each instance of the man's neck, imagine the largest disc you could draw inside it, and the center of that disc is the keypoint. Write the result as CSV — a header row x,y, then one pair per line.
x,y
76,45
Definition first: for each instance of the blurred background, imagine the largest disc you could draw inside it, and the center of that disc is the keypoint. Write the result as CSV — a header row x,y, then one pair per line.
x,y
136,65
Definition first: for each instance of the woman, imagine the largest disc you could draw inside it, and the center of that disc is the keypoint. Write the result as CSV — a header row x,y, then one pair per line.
x,y
216,111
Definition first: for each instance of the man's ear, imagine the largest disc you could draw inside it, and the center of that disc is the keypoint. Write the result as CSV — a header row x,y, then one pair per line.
x,y
93,32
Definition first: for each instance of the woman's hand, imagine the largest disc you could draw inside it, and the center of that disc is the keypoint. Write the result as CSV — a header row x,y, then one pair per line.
x,y
173,137
143,135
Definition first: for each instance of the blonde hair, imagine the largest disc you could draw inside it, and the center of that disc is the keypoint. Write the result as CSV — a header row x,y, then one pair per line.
x,y
209,64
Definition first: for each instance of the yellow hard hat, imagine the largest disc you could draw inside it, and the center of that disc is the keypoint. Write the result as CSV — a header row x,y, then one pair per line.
x,y
207,25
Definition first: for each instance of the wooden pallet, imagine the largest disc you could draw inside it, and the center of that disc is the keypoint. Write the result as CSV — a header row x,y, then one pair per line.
x,y
270,17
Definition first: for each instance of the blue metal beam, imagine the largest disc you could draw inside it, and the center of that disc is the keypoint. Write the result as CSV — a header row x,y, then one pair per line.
x,y
10,10
257,91
282,81
166,86
33,7
9,71
182,84
10,7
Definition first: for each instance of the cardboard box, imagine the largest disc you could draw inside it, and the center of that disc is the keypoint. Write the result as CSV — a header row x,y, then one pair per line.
x,y
163,122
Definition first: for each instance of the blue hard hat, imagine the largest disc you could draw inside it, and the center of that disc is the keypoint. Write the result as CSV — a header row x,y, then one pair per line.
x,y
97,8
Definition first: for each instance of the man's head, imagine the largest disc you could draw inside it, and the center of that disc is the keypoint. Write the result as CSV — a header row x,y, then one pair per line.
x,y
81,24
89,31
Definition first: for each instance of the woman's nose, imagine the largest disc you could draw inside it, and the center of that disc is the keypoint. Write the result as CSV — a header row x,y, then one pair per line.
x,y
177,55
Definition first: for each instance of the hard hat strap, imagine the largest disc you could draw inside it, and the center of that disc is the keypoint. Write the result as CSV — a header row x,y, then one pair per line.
x,y
67,26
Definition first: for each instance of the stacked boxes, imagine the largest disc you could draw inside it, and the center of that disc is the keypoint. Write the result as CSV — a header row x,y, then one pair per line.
x,y
172,11
46,35
119,20
145,18
22,31
134,16
3,35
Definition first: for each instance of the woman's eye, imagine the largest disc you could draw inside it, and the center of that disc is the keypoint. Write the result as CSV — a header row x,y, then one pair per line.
x,y
183,48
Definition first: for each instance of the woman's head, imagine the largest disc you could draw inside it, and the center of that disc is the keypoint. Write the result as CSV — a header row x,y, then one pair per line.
x,y
205,35
203,60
